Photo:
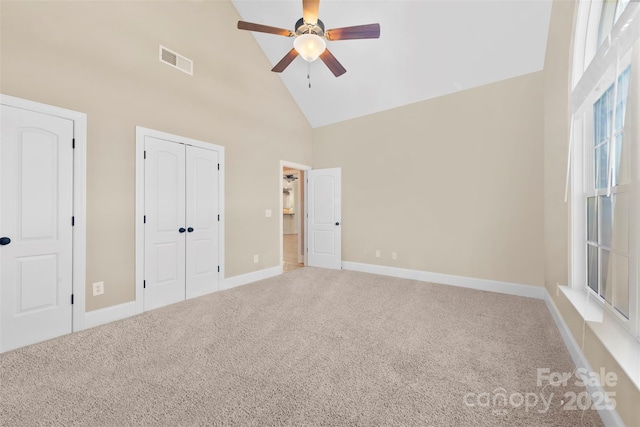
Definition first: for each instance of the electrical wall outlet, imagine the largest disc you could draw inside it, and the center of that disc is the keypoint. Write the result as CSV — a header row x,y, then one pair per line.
x,y
98,288
394,255
256,259
378,253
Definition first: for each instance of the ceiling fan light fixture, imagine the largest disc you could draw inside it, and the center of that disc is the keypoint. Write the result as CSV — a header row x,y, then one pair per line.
x,y
309,46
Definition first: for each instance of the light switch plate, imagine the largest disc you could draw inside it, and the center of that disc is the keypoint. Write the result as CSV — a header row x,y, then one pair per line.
x,y
267,213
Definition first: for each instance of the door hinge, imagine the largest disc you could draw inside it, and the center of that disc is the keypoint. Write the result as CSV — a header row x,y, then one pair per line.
x,y
218,166
144,284
71,299
73,143
73,221
218,217
218,269
144,219
145,154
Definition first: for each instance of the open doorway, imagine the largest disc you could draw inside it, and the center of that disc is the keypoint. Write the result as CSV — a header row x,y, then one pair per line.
x,y
292,216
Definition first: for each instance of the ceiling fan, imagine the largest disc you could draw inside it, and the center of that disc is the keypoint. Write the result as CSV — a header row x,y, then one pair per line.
x,y
310,37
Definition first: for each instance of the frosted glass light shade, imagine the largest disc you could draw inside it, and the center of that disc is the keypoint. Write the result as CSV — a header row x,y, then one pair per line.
x,y
309,46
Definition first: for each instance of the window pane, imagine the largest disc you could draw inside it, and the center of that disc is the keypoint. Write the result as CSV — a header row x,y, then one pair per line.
x,y
620,234
608,112
621,275
592,220
592,267
606,19
606,220
597,118
605,292
601,164
616,152
621,102
620,8
600,118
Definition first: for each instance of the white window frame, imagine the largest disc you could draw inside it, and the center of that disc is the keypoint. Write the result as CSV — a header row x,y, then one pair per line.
x,y
595,68
589,148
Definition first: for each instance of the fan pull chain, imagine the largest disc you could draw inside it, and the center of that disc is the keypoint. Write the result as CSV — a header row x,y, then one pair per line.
x,y
309,73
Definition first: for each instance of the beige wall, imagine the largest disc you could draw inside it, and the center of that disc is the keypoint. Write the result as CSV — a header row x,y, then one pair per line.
x,y
101,58
453,184
557,78
556,143
469,184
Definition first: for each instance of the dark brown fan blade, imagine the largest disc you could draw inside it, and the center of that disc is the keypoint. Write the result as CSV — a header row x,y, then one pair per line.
x,y
284,62
250,26
369,31
310,11
336,68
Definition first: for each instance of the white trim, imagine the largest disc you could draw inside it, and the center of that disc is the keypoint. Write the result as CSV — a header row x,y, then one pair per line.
x,y
129,309
79,195
585,303
609,417
292,165
578,357
139,221
110,314
254,276
447,279
141,132
619,342
624,34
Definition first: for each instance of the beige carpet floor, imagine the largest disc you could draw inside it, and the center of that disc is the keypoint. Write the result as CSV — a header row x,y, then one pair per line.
x,y
309,348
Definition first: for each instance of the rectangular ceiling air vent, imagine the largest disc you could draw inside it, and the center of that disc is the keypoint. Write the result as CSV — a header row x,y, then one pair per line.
x,y
176,60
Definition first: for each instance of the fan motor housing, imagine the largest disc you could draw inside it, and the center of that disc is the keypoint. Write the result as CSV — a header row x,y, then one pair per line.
x,y
306,28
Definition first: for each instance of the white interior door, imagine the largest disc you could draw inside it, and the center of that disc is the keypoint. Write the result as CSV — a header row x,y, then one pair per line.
x,y
202,221
325,227
36,208
164,223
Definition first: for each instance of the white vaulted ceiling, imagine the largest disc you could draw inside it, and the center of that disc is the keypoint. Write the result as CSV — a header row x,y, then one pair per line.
x,y
426,49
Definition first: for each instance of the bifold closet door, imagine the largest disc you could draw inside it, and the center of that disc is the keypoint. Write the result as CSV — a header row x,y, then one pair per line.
x,y
165,229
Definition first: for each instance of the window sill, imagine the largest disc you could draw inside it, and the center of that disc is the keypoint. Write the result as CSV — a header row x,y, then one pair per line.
x,y
618,341
590,309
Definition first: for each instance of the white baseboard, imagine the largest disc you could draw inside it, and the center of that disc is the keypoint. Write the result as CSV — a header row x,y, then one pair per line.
x,y
529,291
128,309
254,276
610,418
109,314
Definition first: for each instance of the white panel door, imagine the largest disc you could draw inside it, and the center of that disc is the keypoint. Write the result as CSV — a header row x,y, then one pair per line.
x,y
325,228
36,180
202,221
165,223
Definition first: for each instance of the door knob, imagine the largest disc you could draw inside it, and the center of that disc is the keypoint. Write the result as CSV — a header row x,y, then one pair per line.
x,y
182,230
4,241
190,229
337,223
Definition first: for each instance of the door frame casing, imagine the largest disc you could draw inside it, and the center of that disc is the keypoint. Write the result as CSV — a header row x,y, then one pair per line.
x,y
79,197
141,133
304,168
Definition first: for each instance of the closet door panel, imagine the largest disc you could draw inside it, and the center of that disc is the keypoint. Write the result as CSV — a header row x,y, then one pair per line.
x,y
165,218
201,221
